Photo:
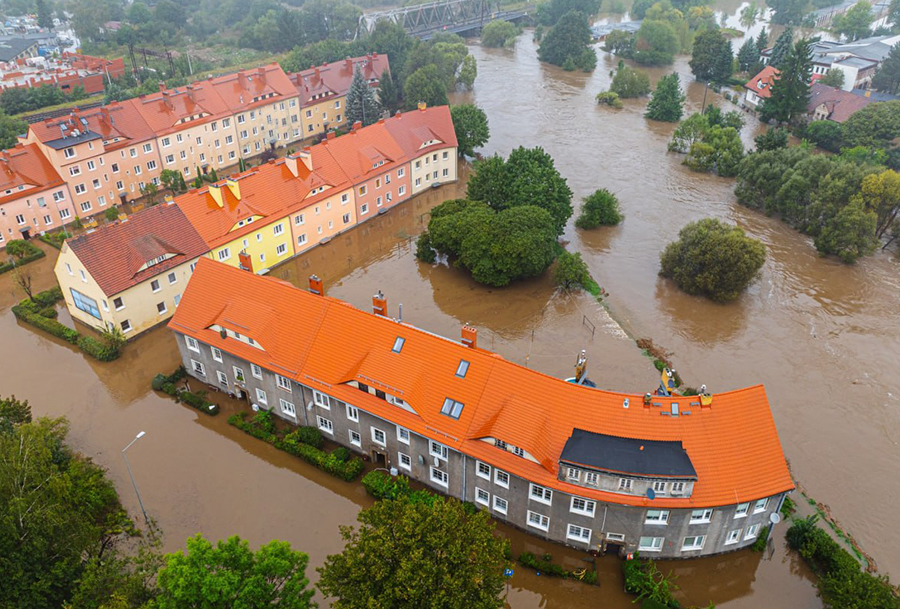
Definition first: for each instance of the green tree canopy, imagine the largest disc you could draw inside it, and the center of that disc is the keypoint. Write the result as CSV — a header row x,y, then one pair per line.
x,y
711,60
499,33
667,101
408,555
782,48
471,126
361,104
689,131
569,42
10,130
748,56
44,13
599,208
630,83
773,139
790,91
788,12
639,8
549,13
231,574
655,43
712,259
527,177
425,85
875,126
571,272
887,78
856,23
719,150
389,92
762,41
834,77
880,193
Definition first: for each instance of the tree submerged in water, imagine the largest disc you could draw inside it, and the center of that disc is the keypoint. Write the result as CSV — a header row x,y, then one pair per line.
x,y
568,44
712,259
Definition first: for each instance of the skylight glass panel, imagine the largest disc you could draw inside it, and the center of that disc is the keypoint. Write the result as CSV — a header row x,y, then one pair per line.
x,y
452,408
462,368
398,344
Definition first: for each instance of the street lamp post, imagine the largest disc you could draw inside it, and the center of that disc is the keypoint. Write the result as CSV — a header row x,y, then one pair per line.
x,y
136,492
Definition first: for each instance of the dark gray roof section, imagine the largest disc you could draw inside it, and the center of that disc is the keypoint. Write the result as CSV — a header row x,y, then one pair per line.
x,y
627,455
10,49
65,142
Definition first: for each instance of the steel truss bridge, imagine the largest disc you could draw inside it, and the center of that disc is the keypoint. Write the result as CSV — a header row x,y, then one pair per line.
x,y
454,16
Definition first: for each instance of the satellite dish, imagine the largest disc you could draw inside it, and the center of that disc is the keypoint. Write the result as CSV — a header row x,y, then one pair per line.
x,y
651,494
775,517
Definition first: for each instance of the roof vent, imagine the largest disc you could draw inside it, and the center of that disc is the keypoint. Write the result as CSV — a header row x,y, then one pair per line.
x,y
625,404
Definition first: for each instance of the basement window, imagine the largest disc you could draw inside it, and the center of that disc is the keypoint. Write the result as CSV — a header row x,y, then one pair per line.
x,y
452,408
462,368
398,344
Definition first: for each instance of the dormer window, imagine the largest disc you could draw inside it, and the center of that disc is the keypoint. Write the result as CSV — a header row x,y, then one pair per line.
x,y
452,408
398,344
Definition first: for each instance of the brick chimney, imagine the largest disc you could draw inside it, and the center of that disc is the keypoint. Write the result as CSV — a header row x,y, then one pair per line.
x,y
470,337
356,126
379,304
348,63
422,105
330,135
162,85
315,285
190,93
261,74
166,100
242,79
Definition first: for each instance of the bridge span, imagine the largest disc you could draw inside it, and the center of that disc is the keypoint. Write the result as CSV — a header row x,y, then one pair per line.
x,y
454,16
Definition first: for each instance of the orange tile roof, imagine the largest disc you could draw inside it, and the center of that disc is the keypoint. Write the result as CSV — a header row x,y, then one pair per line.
x,y
26,167
272,191
333,79
114,253
119,124
249,89
324,343
761,84
175,109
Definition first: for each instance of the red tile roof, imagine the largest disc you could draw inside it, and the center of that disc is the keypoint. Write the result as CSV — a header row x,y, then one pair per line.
x,y
119,124
414,129
249,89
182,107
325,343
333,79
26,167
841,104
114,253
761,84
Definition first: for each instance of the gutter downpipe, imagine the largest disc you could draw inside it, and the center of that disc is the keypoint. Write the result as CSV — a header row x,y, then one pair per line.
x,y
465,464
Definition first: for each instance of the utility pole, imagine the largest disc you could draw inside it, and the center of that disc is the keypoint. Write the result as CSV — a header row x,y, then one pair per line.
x,y
705,91
133,483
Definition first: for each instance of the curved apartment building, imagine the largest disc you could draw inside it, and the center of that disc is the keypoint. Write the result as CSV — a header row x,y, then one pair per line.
x,y
672,477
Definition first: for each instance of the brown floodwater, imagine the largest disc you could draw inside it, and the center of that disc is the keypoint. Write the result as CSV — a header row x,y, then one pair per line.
x,y
822,337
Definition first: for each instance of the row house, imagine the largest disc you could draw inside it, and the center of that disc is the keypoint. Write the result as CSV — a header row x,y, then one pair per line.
x,y
130,274
323,90
265,106
262,217
670,477
33,197
106,155
192,126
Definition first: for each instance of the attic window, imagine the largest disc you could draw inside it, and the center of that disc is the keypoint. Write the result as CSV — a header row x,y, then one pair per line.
x,y
462,368
452,408
674,409
398,344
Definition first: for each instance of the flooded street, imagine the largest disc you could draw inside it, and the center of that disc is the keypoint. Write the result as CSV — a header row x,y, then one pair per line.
x,y
822,336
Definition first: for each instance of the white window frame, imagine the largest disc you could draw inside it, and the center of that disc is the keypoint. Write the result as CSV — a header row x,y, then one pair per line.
x,y
383,440
320,399
659,487
198,367
216,353
261,397
704,517
752,531
192,343
500,505
479,465
325,424
403,435
573,473
352,413
761,505
355,438
589,509
734,536
283,383
287,408
542,522
742,510
656,544
482,496
442,478
498,474
662,520
540,494
256,371
677,488
694,546
404,461
572,535
591,478
436,449
626,485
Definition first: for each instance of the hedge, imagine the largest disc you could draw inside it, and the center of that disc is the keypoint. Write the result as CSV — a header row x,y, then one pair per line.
x,y
34,253
842,584
545,565
300,443
54,239
166,384
41,314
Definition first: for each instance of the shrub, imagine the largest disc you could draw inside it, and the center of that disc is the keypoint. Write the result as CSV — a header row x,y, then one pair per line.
x,y
773,139
341,453
788,507
712,259
499,34
644,579
760,544
610,99
424,250
196,400
24,253
111,214
545,565
50,326
599,208
571,272
382,486
308,435
629,82
96,349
